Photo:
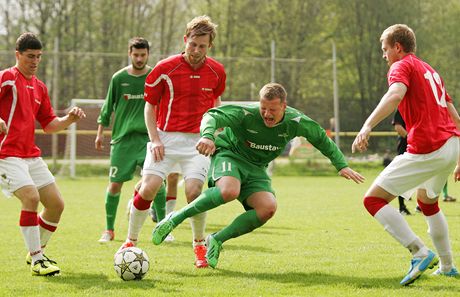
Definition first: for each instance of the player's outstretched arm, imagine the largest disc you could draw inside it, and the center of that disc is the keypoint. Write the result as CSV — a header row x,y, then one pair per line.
x,y
349,173
60,123
206,146
386,106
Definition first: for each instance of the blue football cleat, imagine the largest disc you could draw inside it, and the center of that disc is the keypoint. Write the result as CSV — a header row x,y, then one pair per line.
x,y
419,266
452,273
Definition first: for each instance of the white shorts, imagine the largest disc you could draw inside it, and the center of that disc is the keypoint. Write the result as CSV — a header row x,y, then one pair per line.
x,y
179,150
409,172
16,173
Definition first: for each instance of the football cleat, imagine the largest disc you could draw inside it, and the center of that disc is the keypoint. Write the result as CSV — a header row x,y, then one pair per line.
x,y
449,199
169,238
200,256
162,229
452,273
44,268
213,252
29,259
126,244
419,266
107,236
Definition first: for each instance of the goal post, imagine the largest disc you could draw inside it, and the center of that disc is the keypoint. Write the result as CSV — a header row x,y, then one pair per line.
x,y
90,129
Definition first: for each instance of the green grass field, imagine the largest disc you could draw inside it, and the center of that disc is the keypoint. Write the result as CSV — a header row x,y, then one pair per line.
x,y
321,242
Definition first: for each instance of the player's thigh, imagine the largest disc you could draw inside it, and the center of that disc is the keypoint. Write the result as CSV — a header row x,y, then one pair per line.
x,y
408,172
124,157
51,197
223,164
14,174
194,166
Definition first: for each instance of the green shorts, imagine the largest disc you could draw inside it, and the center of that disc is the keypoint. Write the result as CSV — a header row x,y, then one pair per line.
x,y
126,155
253,178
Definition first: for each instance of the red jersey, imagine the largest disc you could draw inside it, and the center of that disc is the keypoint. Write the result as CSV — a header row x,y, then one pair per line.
x,y
183,94
22,101
423,107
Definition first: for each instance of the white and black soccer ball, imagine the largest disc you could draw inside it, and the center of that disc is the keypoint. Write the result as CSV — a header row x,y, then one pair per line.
x,y
131,263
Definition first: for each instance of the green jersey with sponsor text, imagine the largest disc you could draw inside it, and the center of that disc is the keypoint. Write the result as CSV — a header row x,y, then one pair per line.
x,y
246,135
125,99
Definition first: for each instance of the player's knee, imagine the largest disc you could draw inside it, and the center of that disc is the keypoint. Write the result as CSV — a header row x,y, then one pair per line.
x,y
114,188
229,194
267,211
428,209
31,202
374,204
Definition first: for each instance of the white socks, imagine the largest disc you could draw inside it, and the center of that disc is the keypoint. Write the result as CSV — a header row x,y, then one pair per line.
x,y
198,224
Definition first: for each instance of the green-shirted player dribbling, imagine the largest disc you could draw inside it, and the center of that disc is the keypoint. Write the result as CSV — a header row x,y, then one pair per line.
x,y
253,136
125,99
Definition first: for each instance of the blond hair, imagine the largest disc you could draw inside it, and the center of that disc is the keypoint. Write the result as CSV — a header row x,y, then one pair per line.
x,y
273,91
403,35
200,26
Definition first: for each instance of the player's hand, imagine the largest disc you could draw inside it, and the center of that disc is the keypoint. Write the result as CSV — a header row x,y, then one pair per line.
x,y
158,150
361,141
205,146
457,173
3,127
75,114
349,173
99,142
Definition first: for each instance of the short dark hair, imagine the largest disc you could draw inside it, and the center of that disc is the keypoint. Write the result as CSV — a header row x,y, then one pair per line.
x,y
272,91
27,41
138,42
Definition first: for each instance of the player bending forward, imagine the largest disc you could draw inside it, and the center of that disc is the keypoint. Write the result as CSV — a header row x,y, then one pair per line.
x,y
253,136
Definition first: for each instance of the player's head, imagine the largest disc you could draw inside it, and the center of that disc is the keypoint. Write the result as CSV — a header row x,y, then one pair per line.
x,y
272,103
199,36
397,41
138,51
28,53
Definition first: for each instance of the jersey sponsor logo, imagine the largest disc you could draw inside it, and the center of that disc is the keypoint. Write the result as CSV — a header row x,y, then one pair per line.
x,y
283,135
195,76
135,97
125,84
29,87
206,89
262,147
252,131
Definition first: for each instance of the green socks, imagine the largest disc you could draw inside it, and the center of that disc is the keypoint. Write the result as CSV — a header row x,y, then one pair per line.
x,y
159,203
209,199
111,205
244,223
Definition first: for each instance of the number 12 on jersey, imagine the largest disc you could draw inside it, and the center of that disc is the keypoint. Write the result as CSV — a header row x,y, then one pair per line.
x,y
435,81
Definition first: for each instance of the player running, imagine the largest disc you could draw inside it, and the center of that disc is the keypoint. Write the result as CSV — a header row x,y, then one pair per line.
x,y
253,136
178,91
418,92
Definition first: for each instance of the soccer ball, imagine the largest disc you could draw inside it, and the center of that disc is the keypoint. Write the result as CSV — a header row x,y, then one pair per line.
x,y
131,263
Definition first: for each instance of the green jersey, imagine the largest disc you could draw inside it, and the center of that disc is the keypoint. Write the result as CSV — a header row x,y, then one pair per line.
x,y
125,98
246,135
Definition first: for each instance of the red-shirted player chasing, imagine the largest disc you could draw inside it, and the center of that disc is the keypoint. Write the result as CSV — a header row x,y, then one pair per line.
x,y
178,91
23,100
418,92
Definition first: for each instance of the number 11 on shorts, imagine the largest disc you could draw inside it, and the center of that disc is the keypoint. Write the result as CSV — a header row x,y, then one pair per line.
x,y
226,166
